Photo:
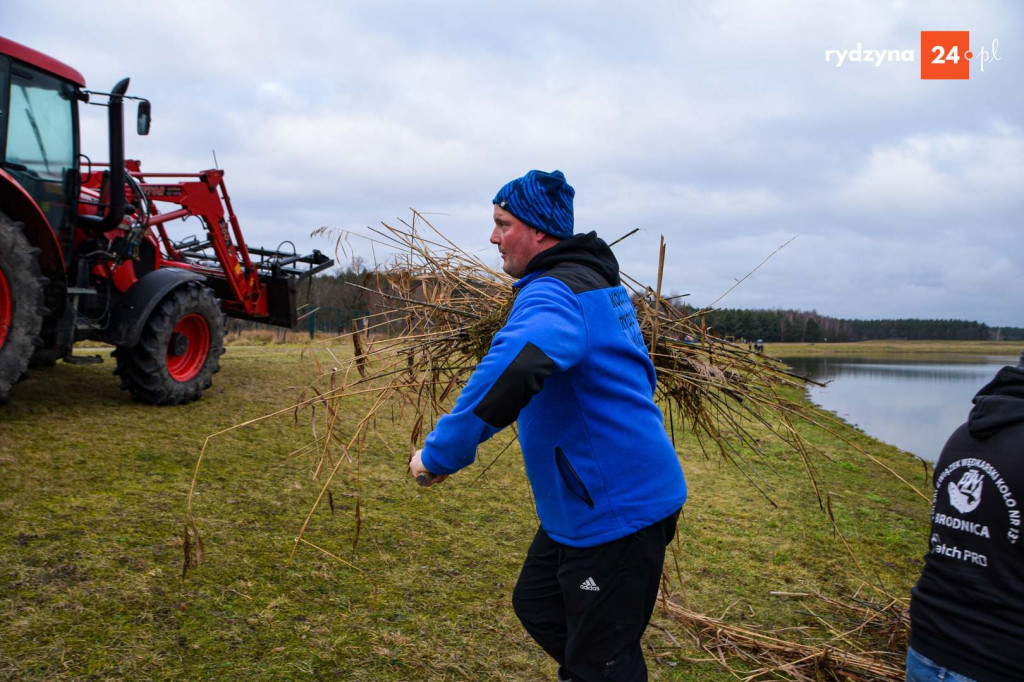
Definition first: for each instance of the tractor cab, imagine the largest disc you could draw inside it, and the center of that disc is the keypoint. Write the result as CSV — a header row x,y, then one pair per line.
x,y
39,130
39,138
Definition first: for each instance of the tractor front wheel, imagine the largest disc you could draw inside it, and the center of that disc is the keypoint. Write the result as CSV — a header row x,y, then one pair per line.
x,y
21,298
179,349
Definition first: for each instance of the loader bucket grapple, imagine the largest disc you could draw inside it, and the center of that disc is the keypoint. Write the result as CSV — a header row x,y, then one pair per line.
x,y
253,283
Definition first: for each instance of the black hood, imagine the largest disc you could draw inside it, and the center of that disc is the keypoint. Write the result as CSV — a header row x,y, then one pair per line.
x,y
999,404
586,249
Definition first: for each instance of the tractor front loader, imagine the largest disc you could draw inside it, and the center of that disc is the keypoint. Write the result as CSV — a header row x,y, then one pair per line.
x,y
85,252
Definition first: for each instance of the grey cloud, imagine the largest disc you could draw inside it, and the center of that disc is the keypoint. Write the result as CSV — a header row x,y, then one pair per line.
x,y
720,126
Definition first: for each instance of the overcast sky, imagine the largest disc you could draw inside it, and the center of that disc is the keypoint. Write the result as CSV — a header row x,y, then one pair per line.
x,y
719,125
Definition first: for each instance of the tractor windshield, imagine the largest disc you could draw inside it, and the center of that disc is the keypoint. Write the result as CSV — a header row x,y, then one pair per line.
x,y
41,146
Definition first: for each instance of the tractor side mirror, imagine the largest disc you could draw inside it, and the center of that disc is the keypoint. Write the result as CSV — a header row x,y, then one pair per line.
x,y
144,118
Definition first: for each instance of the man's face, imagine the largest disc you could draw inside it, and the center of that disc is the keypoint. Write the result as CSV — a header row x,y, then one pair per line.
x,y
516,241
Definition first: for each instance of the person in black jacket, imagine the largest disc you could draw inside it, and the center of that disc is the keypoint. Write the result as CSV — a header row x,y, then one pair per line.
x,y
967,609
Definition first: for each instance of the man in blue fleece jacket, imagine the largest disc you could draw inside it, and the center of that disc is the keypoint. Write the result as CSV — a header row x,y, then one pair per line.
x,y
571,365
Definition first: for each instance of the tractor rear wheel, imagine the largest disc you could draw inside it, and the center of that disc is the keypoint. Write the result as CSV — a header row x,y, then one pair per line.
x,y
178,351
21,301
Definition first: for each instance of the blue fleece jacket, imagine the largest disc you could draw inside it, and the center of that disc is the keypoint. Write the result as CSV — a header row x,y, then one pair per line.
x,y
571,365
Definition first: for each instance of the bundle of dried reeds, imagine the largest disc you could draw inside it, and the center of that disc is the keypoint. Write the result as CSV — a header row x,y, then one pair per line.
x,y
440,307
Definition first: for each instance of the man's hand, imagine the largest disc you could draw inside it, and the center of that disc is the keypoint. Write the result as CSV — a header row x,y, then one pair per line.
x,y
420,473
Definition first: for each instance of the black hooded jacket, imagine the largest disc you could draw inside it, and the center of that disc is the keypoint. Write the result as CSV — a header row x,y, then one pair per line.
x,y
967,609
583,249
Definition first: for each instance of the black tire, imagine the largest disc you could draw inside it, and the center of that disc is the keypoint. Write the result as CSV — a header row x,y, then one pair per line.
x,y
21,304
178,351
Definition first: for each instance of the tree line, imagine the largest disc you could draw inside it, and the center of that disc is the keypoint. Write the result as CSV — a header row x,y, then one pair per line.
x,y
777,326
348,294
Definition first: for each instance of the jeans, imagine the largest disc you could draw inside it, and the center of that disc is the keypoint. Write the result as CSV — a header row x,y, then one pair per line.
x,y
923,669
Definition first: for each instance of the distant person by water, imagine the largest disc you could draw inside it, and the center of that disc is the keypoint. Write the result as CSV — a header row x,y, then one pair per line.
x,y
967,609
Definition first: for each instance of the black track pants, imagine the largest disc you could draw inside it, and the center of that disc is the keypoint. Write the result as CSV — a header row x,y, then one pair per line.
x,y
588,607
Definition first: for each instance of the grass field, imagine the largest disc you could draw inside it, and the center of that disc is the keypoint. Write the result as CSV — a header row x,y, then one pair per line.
x,y
93,489
900,348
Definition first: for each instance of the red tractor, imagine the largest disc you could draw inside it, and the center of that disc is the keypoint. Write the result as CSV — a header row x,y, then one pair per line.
x,y
85,253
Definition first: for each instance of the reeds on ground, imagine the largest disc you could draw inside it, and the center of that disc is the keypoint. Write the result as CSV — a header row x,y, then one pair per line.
x,y
834,650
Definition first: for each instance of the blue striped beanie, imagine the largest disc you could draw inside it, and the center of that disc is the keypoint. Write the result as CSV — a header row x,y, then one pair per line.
x,y
541,200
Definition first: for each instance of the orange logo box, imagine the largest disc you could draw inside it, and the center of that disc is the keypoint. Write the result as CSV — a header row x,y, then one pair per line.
x,y
945,55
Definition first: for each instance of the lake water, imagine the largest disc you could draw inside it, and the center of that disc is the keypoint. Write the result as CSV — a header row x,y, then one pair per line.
x,y
912,404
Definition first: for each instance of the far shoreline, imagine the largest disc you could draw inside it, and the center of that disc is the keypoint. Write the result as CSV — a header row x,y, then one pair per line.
x,y
1008,349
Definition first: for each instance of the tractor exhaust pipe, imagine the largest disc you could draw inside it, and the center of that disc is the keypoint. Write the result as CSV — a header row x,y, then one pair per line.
x,y
115,192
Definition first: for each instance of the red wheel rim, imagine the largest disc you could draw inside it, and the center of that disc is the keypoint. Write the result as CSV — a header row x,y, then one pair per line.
x,y
189,363
6,306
